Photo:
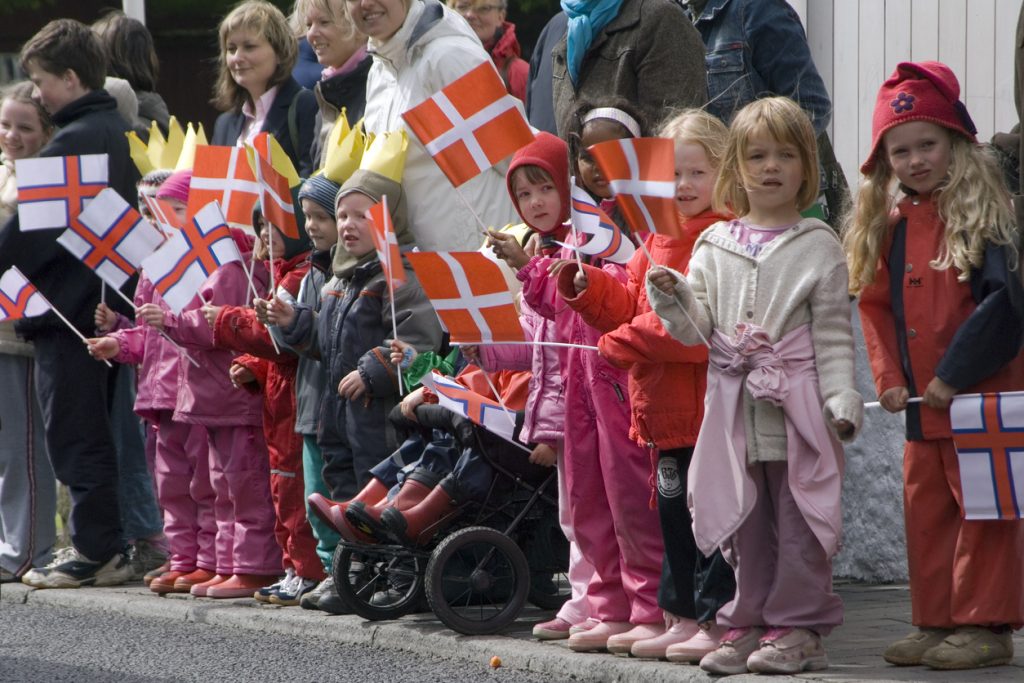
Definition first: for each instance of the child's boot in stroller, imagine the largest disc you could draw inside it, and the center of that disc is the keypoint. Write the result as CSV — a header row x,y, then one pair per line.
x,y
419,524
366,519
333,513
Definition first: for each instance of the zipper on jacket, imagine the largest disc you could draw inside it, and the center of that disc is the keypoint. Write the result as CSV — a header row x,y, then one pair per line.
x,y
618,392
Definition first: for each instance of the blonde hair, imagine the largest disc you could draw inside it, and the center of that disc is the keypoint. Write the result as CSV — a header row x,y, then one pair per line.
x,y
21,92
972,203
332,8
266,20
787,123
699,127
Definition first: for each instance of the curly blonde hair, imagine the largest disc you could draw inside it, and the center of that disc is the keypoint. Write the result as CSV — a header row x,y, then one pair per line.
x,y
787,123
699,127
972,202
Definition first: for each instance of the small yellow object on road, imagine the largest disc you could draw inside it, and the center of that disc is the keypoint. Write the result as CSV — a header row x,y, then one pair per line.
x,y
495,662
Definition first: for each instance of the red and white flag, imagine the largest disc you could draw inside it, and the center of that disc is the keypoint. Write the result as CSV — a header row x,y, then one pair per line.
x,y
483,411
164,217
111,237
386,243
988,432
604,239
222,174
52,191
641,172
275,197
470,296
19,298
470,125
180,267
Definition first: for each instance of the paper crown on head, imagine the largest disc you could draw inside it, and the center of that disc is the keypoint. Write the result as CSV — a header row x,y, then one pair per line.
x,y
194,137
385,154
176,149
918,91
344,150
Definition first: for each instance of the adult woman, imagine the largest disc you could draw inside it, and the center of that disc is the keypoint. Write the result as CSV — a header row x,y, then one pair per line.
x,y
487,19
419,47
27,484
255,89
642,50
341,51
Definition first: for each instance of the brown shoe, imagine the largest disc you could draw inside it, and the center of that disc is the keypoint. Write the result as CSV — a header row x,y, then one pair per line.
x,y
909,650
148,577
971,647
197,576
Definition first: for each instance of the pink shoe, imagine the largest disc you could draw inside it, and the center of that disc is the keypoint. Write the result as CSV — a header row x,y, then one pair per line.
x,y
596,639
655,648
583,626
622,644
730,657
788,651
693,650
556,629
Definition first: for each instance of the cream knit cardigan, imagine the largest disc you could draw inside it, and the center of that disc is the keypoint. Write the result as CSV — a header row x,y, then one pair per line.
x,y
800,277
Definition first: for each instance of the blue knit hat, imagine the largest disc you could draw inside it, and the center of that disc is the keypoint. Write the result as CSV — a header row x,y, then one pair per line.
x,y
320,190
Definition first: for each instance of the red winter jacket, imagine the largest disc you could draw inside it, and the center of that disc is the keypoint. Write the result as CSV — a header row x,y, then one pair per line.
x,y
666,379
505,53
238,329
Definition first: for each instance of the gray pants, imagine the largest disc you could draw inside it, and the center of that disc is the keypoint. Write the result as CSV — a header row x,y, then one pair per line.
x,y
28,488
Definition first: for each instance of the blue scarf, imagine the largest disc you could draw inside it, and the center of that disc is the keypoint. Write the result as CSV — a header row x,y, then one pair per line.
x,y
586,19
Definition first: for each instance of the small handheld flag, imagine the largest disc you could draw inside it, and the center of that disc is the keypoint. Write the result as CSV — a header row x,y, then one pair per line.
x,y
606,240
988,432
19,298
483,411
222,174
386,243
275,193
641,172
52,191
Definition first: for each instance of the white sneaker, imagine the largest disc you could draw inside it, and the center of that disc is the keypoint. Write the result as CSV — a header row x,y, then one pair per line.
x,y
72,569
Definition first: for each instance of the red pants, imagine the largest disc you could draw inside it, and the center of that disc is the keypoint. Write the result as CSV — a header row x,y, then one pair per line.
x,y
287,488
961,573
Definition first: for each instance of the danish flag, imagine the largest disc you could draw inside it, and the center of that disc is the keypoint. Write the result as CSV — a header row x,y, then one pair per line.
x,y
470,296
483,411
52,191
275,196
180,267
606,240
641,173
19,298
386,242
988,431
111,237
222,174
470,125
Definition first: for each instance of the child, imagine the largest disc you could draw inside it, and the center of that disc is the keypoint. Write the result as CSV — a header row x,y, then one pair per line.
x,y
538,182
605,471
264,369
181,457
954,325
692,587
351,328
771,501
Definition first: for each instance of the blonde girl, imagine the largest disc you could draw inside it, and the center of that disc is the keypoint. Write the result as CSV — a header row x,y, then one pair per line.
x,y
933,212
768,290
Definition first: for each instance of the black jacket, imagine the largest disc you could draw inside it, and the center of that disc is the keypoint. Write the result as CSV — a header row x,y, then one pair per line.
x,y
229,125
89,125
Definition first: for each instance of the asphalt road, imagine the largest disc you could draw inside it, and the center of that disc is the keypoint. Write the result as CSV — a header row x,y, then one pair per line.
x,y
56,645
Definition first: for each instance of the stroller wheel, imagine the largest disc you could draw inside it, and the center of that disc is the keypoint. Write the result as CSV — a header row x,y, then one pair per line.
x,y
378,583
477,580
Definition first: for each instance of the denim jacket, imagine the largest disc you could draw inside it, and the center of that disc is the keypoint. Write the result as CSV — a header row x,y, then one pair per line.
x,y
756,48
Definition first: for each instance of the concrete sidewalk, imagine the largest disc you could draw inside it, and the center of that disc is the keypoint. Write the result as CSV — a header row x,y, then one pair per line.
x,y
875,615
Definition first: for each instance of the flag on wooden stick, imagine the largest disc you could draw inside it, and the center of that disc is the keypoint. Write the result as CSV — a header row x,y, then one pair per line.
x,y
988,431
52,191
221,174
19,298
386,243
641,173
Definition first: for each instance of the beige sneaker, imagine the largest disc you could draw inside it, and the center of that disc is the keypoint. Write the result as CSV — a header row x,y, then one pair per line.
x,y
730,657
971,647
908,651
788,651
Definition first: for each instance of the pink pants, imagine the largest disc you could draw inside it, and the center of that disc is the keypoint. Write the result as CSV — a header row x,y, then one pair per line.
x,y
576,609
607,481
240,473
182,470
783,577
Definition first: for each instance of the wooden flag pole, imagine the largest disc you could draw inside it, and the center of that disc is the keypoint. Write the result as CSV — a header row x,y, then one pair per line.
x,y
68,323
391,283
159,331
675,297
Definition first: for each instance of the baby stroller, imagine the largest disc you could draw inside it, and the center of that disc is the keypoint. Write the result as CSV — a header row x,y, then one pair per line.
x,y
493,552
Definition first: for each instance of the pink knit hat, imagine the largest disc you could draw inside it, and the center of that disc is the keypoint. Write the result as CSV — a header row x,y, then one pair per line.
x,y
176,187
918,91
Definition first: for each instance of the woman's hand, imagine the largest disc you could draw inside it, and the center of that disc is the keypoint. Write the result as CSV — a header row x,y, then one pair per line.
x,y
662,279
410,402
402,354
938,394
150,314
506,247
240,375
280,313
543,455
210,312
103,348
351,386
894,399
104,318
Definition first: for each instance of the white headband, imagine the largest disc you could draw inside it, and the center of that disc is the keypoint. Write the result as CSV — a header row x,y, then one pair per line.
x,y
613,114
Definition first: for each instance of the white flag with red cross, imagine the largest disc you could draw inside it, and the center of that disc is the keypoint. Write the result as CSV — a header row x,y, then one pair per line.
x,y
470,125
641,173
180,267
222,174
52,191
470,295
275,195
988,432
482,410
386,243
19,298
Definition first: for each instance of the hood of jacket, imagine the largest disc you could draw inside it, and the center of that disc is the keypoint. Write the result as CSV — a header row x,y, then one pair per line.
x,y
506,45
551,154
426,21
375,186
94,100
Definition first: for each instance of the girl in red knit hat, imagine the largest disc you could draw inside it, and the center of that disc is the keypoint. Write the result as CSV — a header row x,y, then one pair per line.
x,y
932,211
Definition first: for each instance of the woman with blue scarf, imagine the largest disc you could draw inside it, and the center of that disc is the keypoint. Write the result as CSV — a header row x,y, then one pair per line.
x,y
646,51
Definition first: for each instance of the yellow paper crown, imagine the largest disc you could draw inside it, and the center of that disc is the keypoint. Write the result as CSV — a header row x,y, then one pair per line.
x,y
194,137
386,154
344,152
171,149
137,151
160,152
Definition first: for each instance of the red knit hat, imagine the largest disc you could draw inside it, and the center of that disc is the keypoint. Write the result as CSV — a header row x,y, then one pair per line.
x,y
918,91
551,154
176,186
